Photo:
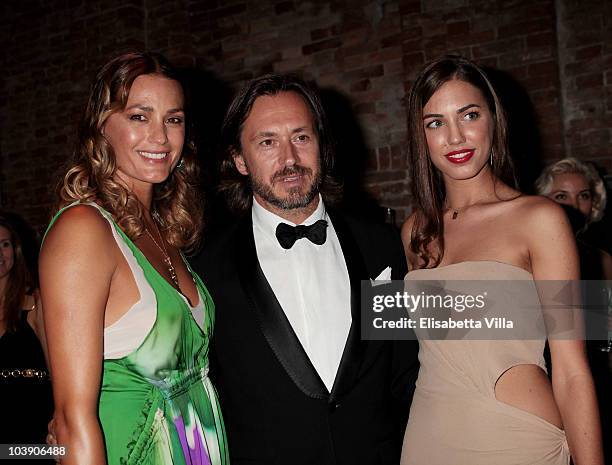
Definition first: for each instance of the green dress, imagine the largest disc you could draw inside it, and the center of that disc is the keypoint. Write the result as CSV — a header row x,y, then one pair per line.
x,y
157,404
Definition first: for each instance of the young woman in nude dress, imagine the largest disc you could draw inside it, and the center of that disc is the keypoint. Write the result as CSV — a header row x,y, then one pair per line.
x,y
485,402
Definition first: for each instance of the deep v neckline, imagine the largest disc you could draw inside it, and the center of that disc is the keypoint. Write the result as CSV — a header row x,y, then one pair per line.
x,y
202,329
159,275
148,262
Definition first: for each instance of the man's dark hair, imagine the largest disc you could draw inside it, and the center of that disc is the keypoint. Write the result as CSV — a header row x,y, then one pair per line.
x,y
236,187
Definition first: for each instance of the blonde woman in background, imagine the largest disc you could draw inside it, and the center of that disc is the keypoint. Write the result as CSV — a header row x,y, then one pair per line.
x,y
576,184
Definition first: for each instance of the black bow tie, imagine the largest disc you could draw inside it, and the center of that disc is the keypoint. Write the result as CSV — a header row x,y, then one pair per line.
x,y
287,235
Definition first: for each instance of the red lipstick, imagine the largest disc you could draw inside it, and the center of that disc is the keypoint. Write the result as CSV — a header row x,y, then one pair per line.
x,y
460,156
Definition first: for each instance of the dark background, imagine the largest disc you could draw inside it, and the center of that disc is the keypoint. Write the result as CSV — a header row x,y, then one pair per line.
x,y
552,62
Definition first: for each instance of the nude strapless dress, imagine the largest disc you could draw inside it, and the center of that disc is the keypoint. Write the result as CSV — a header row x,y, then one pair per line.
x,y
455,418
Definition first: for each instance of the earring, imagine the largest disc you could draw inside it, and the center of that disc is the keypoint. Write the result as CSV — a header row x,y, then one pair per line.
x,y
491,158
181,164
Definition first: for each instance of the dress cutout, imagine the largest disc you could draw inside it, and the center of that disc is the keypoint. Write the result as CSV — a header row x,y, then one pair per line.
x,y
455,418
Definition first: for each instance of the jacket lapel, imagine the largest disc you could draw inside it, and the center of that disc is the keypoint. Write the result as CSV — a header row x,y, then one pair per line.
x,y
274,324
355,347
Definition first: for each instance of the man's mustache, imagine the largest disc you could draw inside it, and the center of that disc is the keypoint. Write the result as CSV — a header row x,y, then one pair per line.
x,y
291,171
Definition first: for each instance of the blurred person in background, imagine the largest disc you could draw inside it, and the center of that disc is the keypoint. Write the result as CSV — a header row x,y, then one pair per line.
x,y
576,184
25,389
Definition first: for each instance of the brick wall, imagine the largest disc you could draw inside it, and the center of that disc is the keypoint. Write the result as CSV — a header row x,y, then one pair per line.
x,y
353,51
552,59
518,41
51,50
585,62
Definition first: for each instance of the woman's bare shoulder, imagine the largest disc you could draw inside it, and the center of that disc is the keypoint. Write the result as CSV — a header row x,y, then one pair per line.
x,y
77,262
547,230
538,212
80,222
79,233
532,212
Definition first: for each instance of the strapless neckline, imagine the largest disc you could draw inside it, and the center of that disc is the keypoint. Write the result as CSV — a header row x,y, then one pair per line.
x,y
455,417
477,262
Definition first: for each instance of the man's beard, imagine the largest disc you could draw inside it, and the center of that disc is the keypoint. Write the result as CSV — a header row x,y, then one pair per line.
x,y
295,198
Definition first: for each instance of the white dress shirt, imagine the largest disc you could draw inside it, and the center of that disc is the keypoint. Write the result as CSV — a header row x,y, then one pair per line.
x,y
311,284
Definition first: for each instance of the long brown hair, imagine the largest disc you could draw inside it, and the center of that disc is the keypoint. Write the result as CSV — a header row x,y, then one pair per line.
x,y
428,189
236,187
19,279
90,177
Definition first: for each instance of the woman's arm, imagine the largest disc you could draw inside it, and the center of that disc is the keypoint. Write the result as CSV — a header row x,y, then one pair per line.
x,y
77,263
553,256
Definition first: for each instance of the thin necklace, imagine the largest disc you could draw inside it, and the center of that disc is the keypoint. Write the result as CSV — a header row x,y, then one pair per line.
x,y
456,211
162,249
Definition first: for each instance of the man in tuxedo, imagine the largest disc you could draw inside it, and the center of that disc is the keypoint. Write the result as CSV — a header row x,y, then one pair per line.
x,y
297,383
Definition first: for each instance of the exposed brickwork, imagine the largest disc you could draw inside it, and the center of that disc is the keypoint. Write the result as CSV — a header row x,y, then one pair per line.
x,y
585,59
51,52
362,53
352,49
518,40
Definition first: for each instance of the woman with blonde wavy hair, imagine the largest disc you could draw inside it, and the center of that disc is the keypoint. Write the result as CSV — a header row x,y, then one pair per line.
x,y
574,183
128,323
577,185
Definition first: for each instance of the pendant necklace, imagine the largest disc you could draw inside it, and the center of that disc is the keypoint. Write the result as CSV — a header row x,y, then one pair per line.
x,y
456,211
162,248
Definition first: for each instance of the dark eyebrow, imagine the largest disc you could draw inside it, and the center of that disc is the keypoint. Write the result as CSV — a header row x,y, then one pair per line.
x,y
150,109
459,111
140,107
467,107
265,134
272,133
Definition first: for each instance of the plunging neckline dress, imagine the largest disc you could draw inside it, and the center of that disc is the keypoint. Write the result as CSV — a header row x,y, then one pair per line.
x,y
157,404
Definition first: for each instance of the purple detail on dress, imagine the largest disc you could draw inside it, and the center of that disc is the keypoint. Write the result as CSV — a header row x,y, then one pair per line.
x,y
200,448
199,454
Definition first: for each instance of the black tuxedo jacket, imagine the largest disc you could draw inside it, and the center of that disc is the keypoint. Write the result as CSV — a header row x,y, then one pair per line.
x,y
276,408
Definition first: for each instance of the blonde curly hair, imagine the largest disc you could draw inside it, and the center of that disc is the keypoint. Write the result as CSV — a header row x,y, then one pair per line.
x,y
90,176
545,181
